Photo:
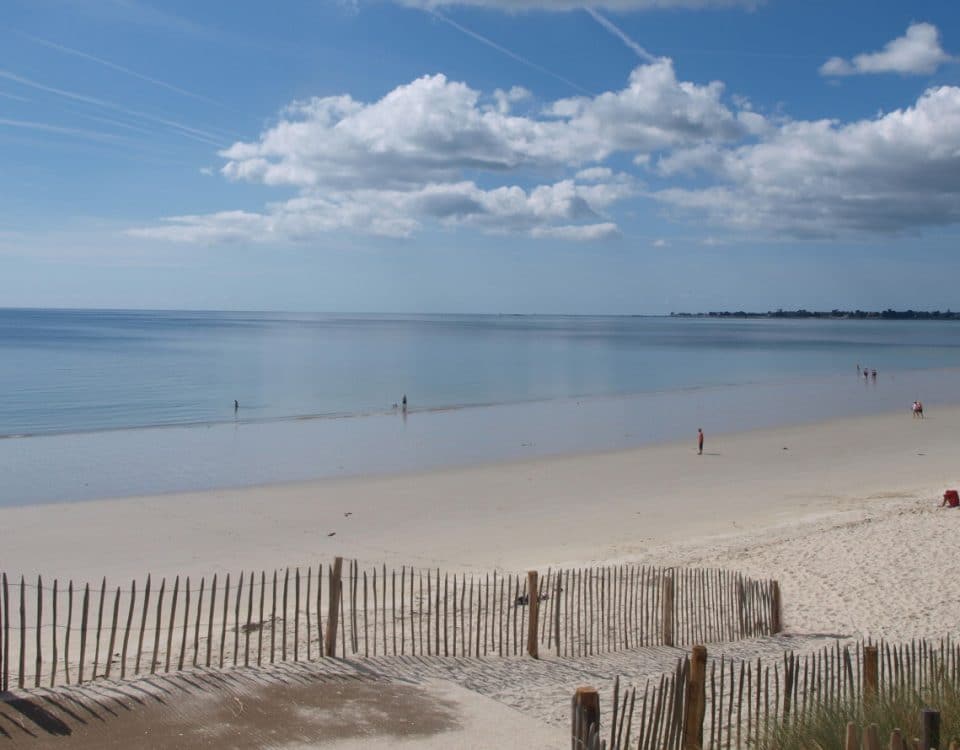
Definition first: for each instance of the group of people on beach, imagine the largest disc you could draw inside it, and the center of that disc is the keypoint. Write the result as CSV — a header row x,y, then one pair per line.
x,y
867,373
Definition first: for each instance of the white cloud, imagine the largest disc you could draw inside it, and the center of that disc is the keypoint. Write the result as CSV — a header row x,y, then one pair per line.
x,y
703,157
412,157
433,129
660,243
506,99
655,111
436,153
544,211
894,173
917,52
578,233
595,174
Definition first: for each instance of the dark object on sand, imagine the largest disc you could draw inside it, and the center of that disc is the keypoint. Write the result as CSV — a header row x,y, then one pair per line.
x,y
524,599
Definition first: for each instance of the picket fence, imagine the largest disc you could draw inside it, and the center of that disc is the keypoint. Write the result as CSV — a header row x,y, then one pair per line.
x,y
745,702
74,633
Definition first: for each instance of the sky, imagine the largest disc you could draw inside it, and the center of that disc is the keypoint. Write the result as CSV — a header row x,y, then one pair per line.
x,y
488,156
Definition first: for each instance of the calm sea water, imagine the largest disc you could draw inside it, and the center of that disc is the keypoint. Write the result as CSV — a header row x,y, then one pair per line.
x,y
84,383
70,371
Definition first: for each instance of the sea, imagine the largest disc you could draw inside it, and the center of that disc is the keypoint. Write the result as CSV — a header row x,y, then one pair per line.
x,y
109,403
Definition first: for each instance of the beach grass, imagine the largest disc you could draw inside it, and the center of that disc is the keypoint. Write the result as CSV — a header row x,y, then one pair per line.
x,y
825,727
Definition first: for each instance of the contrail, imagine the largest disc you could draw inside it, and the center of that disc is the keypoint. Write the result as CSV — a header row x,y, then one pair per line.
x,y
115,123
508,53
184,130
47,128
16,98
621,35
113,66
120,143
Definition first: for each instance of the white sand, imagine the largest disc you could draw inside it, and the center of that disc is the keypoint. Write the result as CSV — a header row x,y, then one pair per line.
x,y
842,513
518,515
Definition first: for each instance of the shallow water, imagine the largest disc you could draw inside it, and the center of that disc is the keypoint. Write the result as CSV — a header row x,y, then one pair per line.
x,y
123,403
71,371
80,466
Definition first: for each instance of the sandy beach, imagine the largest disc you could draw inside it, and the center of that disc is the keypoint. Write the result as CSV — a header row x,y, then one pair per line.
x,y
835,510
843,513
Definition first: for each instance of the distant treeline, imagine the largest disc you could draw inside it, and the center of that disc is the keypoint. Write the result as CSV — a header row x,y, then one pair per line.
x,y
831,315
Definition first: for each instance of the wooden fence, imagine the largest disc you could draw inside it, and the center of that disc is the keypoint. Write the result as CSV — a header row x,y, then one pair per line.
x,y
746,702
869,737
51,632
587,733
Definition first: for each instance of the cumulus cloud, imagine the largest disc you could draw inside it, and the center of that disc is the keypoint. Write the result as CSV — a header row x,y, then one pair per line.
x,y
411,157
894,173
433,129
655,111
917,52
506,99
595,174
687,161
436,153
543,211
578,233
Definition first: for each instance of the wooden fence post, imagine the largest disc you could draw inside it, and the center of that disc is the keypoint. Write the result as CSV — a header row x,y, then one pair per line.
x,y
871,737
668,609
929,729
585,712
533,600
870,673
695,704
333,608
39,656
776,608
741,607
850,740
556,611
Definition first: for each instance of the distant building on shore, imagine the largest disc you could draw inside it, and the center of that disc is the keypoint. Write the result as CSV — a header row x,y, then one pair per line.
x,y
831,315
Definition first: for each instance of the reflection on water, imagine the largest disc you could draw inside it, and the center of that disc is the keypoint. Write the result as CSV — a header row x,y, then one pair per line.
x,y
129,462
70,371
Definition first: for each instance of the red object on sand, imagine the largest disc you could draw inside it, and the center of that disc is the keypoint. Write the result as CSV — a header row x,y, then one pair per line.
x,y
952,498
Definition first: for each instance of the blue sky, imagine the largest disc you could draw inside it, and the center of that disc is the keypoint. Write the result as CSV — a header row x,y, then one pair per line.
x,y
630,156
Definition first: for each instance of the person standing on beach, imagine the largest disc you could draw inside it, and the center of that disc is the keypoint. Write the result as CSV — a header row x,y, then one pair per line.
x,y
404,403
236,405
699,441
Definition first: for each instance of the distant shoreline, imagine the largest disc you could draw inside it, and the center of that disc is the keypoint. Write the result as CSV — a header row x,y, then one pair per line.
x,y
828,315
